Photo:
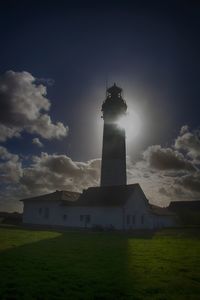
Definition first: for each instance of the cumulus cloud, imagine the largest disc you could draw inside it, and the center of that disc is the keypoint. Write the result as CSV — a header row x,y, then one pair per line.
x,y
162,190
45,173
50,172
165,174
37,142
7,132
24,106
174,192
167,159
44,126
10,166
170,173
189,141
190,182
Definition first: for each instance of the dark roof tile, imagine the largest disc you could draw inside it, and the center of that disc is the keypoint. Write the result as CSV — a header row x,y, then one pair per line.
x,y
55,196
104,196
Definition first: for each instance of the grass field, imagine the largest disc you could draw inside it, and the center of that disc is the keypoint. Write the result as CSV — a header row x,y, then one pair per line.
x,y
91,265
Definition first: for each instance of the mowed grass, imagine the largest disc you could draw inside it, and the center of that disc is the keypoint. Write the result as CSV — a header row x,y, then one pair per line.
x,y
98,265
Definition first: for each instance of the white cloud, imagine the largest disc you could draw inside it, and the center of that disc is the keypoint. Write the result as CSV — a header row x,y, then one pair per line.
x,y
24,106
50,172
190,182
8,132
190,142
46,173
37,142
165,174
10,167
170,173
167,159
44,126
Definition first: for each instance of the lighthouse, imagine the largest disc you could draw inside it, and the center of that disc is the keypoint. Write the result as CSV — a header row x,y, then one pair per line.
x,y
114,204
113,166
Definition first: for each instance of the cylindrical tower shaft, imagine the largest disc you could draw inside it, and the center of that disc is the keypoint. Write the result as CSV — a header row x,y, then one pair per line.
x,y
113,168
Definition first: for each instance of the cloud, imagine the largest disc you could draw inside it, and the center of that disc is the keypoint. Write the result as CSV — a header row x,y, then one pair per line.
x,y
165,174
177,168
7,133
6,155
174,192
50,172
190,182
44,126
166,159
37,142
162,190
10,167
170,173
24,106
44,174
189,141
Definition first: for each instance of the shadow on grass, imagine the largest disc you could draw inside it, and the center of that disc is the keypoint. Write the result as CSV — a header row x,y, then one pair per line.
x,y
97,265
73,265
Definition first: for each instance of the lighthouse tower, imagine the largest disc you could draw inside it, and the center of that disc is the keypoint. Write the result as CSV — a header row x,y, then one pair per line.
x,y
113,167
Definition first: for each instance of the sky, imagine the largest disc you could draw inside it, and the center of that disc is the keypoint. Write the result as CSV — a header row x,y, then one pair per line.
x,y
58,57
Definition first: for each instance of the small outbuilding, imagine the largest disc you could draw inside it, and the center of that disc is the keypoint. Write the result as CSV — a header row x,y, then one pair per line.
x,y
188,212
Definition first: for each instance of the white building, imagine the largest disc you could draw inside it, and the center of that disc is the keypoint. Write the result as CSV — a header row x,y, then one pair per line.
x,y
116,207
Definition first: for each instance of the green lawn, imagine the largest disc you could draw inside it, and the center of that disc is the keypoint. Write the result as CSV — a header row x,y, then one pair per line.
x,y
88,265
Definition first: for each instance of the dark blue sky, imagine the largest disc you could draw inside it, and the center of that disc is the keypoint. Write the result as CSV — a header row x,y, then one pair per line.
x,y
151,49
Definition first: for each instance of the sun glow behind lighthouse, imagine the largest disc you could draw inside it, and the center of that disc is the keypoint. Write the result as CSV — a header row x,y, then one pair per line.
x,y
131,122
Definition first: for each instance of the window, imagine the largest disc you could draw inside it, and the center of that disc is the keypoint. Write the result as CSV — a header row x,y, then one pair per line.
x,y
128,219
133,219
88,218
81,218
65,217
46,212
40,210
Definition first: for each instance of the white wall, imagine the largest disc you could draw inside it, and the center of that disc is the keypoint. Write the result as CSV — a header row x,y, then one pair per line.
x,y
32,214
140,216
103,216
99,216
136,209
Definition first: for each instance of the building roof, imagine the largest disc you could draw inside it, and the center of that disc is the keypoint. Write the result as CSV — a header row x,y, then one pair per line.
x,y
55,196
192,205
108,196
162,211
104,196
93,196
